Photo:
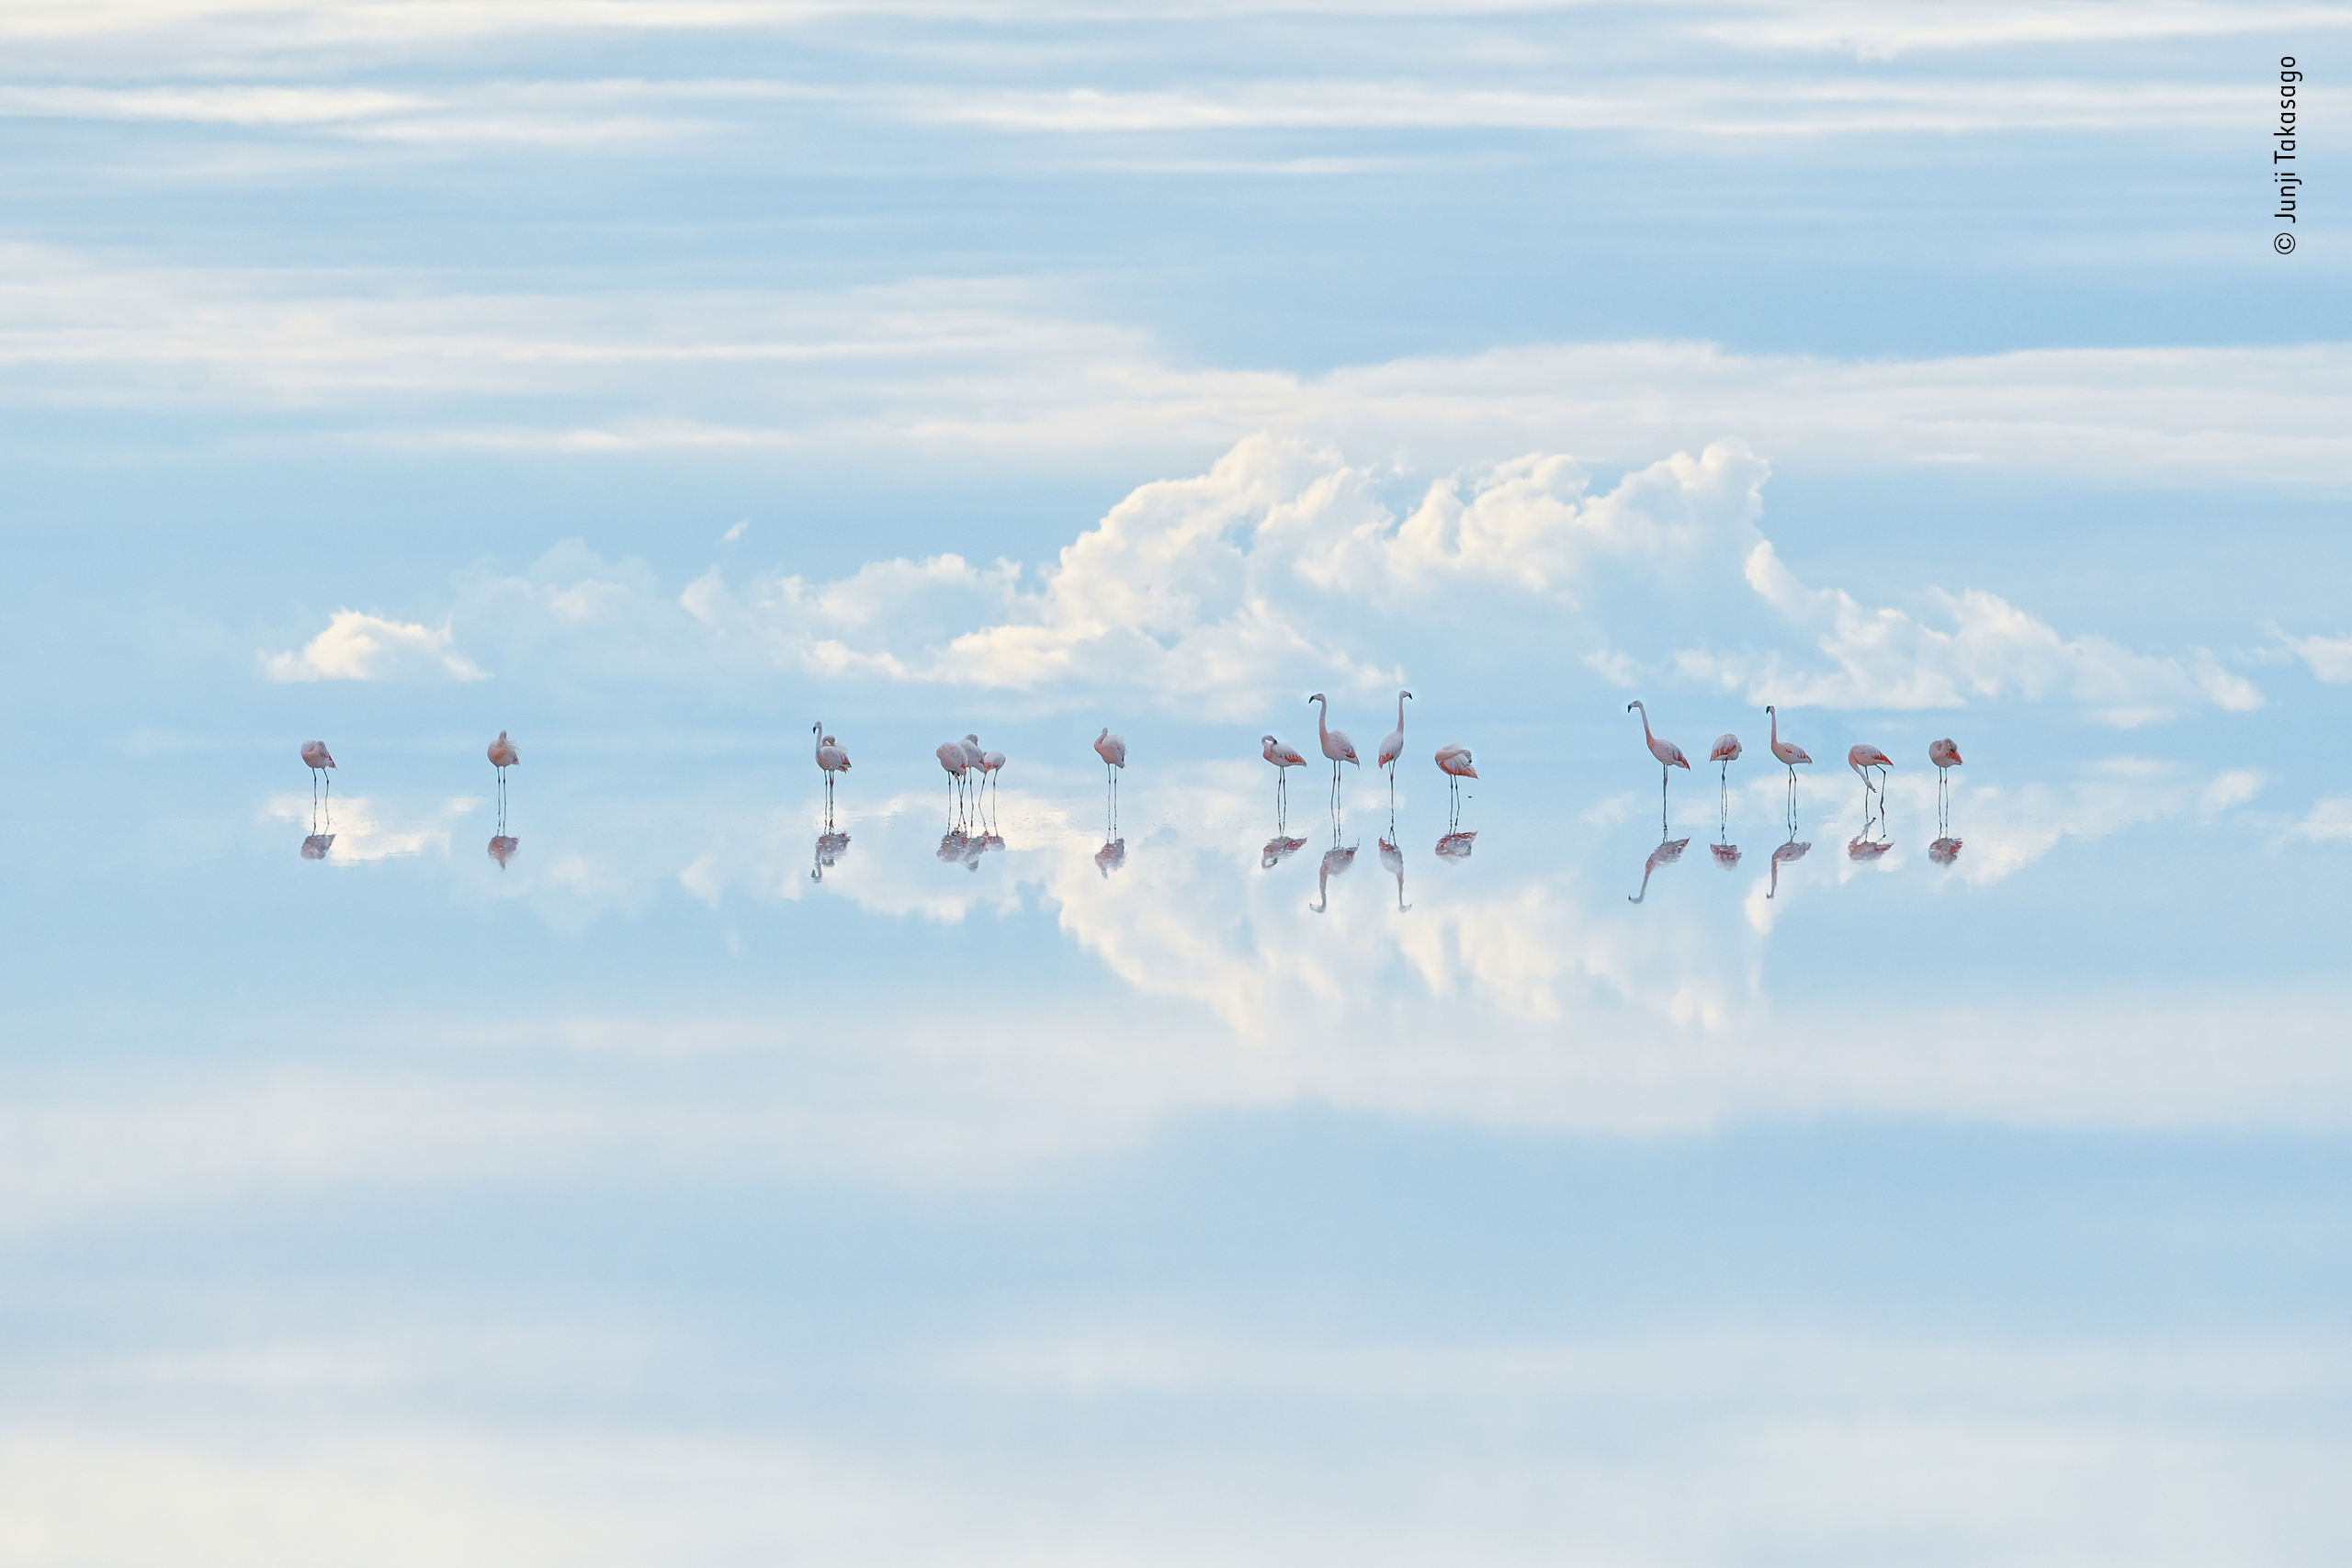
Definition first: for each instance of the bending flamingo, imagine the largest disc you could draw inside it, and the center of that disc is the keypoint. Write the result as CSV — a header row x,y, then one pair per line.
x,y
1394,747
314,755
951,757
1454,761
1861,759
1283,758
1670,756
1726,752
1336,744
1946,757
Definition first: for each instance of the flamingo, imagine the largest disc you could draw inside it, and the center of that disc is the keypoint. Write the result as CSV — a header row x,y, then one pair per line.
x,y
1668,755
1113,750
315,755
1791,754
990,763
1946,757
951,757
975,764
1283,758
1454,761
831,759
1394,747
1336,744
1726,752
1861,759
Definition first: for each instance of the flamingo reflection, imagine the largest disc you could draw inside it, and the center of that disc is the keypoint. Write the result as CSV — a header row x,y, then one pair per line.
x,y
1786,854
1392,859
503,849
1278,850
830,847
316,846
1944,850
1111,857
1336,861
1666,853
1457,846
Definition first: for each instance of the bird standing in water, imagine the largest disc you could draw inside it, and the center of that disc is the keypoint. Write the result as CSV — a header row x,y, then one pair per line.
x,y
1394,747
1791,754
1946,757
1669,757
315,756
1283,758
502,755
1113,750
1454,761
1336,744
1862,759
831,759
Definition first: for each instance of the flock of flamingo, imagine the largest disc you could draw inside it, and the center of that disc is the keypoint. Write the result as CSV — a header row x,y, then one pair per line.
x,y
972,772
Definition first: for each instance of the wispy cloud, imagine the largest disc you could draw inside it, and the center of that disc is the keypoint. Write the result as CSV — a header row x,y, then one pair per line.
x,y
999,366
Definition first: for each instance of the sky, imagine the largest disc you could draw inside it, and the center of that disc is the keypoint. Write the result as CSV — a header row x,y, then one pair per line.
x,y
1747,1167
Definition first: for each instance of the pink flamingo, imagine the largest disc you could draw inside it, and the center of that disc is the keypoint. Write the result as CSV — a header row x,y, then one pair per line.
x,y
315,756
1454,761
951,757
1791,754
1283,758
1394,747
1861,759
831,759
1726,752
1113,750
1670,756
990,764
1336,744
1946,757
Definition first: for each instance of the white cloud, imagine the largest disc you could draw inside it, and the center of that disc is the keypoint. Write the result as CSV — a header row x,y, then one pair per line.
x,y
2329,820
2329,657
360,646
990,367
1885,658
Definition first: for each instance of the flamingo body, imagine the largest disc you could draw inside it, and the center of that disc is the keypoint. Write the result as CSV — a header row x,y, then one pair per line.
x,y
1393,747
314,754
1861,757
1943,754
1112,749
502,753
1726,749
1280,755
1455,760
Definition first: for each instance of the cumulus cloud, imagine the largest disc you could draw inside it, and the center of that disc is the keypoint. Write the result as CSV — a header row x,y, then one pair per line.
x,y
1885,658
360,647
2329,820
1285,567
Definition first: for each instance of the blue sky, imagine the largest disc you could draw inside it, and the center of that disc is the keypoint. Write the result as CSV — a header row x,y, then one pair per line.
x,y
652,380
